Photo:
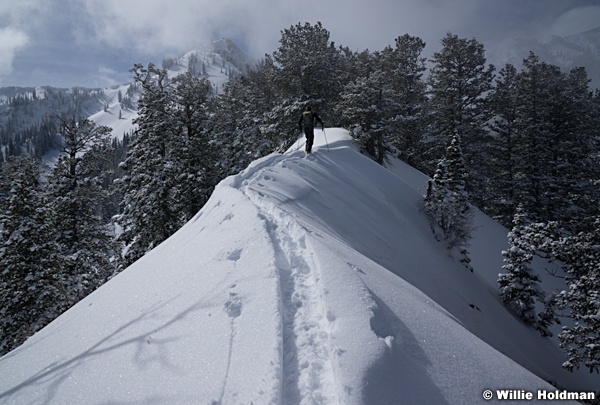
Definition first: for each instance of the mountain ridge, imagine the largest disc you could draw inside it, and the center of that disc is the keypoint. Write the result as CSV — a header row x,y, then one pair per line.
x,y
304,279
566,52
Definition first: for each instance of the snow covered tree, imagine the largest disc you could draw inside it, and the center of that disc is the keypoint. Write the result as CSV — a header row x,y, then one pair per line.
x,y
503,165
192,151
554,140
458,85
575,153
408,114
519,285
436,198
446,202
385,103
241,124
76,194
581,257
548,316
366,103
148,217
32,292
306,66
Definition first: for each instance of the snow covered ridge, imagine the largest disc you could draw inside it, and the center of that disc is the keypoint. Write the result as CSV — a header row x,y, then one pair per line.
x,y
303,280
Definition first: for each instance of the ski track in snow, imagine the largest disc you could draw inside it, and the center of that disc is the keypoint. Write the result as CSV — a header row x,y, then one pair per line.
x,y
307,370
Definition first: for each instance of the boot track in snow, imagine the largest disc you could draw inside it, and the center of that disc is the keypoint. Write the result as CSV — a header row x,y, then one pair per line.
x,y
307,370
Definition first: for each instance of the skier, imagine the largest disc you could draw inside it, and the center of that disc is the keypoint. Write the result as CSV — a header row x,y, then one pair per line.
x,y
307,124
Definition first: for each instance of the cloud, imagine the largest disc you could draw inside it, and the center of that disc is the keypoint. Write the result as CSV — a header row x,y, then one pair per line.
x,y
157,26
73,37
11,40
577,20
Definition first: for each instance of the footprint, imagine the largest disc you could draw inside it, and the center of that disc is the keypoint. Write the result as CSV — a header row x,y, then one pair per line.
x,y
233,307
302,242
228,217
235,255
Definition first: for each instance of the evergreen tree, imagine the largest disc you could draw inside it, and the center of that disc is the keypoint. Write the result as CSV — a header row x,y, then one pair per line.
x,y
384,104
367,103
306,66
503,148
436,206
554,135
408,117
548,317
581,340
575,156
237,125
458,84
148,217
519,286
76,196
193,152
32,289
446,202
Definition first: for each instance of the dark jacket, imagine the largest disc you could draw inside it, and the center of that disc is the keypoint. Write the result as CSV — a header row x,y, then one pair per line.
x,y
307,120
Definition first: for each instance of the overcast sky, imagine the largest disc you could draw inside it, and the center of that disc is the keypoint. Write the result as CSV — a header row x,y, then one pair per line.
x,y
93,43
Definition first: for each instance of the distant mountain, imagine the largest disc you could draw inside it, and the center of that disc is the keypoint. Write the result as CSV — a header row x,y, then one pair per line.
x,y
219,61
582,49
25,111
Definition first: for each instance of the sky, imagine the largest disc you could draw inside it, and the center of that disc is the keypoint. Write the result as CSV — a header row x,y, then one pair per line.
x,y
270,295
89,43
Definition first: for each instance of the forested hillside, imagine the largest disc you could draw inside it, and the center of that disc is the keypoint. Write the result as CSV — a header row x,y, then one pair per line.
x,y
525,139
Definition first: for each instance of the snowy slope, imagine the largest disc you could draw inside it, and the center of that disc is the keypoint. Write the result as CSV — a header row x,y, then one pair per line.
x,y
114,115
216,68
282,291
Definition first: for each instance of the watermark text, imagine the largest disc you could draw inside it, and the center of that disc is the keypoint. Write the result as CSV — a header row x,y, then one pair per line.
x,y
540,395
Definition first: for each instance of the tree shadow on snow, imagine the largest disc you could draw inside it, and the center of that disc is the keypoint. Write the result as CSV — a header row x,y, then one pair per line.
x,y
148,350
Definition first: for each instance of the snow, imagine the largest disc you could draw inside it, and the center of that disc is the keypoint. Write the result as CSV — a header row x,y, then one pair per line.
x,y
304,280
110,113
114,115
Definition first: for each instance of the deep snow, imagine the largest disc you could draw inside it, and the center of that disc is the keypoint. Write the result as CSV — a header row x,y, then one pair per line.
x,y
303,280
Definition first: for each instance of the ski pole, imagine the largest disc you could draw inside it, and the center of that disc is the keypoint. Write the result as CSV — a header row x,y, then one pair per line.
x,y
326,143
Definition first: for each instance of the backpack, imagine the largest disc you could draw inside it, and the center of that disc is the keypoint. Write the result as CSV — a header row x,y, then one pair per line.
x,y
308,119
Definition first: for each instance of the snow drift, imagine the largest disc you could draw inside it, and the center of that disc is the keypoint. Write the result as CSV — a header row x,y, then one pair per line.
x,y
303,280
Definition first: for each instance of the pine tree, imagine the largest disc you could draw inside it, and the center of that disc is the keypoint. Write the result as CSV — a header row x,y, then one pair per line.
x,y
553,121
535,91
76,196
436,199
194,155
148,217
458,84
306,66
548,317
367,104
384,105
581,257
446,202
32,289
237,125
575,167
503,104
408,116
519,286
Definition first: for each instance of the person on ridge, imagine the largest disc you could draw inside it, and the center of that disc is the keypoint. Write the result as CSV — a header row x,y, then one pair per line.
x,y
307,124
